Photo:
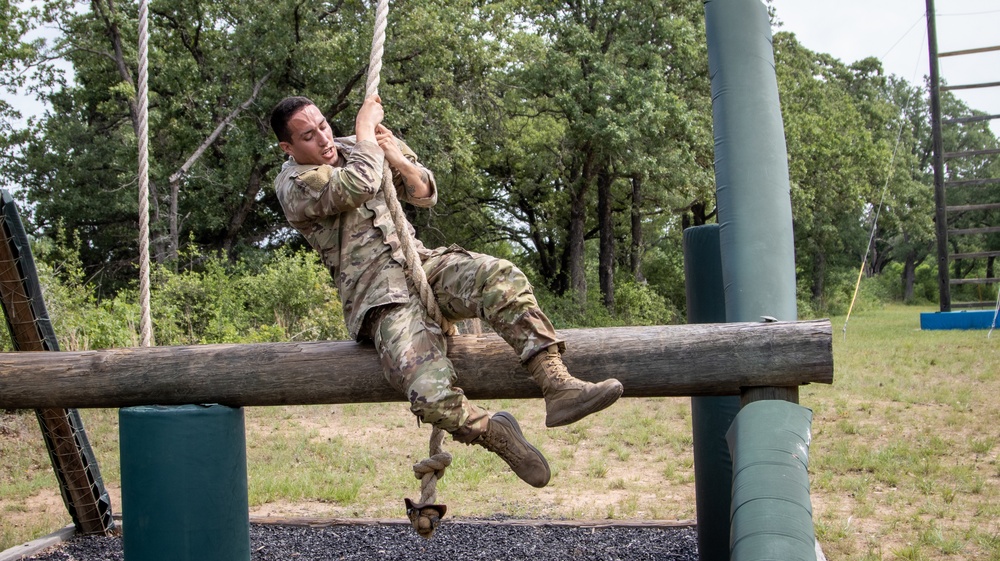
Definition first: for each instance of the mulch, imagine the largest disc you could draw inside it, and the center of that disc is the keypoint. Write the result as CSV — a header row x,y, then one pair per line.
x,y
491,540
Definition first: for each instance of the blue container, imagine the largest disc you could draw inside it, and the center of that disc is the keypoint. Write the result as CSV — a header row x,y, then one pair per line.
x,y
969,319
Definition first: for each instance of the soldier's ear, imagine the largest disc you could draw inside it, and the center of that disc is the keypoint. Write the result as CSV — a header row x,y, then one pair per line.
x,y
285,147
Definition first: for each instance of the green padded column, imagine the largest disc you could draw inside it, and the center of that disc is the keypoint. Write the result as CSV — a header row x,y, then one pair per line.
x,y
184,483
771,510
751,165
772,513
711,416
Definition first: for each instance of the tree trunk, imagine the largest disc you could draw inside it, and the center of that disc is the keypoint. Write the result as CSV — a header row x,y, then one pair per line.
x,y
174,238
695,215
635,253
909,275
253,188
577,225
818,277
957,264
606,259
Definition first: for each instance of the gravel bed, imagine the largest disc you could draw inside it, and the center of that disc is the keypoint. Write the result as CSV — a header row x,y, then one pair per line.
x,y
494,542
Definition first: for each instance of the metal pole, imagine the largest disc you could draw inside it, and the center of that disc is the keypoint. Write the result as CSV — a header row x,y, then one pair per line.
x,y
940,215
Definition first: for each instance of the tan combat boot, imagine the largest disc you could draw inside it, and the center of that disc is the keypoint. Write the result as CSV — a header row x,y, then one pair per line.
x,y
568,399
503,437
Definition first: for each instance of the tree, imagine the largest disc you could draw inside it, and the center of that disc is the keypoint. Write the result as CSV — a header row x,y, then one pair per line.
x,y
837,156
24,69
14,52
217,69
905,231
601,94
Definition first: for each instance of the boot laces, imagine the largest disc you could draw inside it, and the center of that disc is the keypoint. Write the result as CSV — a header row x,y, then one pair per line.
x,y
556,369
497,442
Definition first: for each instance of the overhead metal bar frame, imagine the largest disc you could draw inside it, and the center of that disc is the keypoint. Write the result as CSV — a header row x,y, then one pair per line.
x,y
941,184
969,51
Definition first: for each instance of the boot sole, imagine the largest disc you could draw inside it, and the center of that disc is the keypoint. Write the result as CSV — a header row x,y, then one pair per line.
x,y
517,429
598,403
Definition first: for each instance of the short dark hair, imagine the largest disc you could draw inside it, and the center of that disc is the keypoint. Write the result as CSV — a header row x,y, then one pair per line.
x,y
283,112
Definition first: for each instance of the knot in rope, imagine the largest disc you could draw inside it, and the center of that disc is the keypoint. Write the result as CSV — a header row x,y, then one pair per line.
x,y
425,516
429,471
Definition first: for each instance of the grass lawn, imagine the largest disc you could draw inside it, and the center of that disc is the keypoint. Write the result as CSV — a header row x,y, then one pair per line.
x,y
903,461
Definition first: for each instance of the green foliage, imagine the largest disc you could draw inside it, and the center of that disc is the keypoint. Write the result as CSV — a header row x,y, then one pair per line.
x,y
889,287
23,67
635,304
638,304
295,293
200,305
527,112
288,296
663,270
832,115
80,319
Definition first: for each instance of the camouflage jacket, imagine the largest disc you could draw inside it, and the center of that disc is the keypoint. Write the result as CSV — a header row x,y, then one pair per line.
x,y
342,213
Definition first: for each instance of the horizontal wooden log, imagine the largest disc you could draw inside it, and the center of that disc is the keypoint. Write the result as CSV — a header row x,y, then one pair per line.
x,y
660,361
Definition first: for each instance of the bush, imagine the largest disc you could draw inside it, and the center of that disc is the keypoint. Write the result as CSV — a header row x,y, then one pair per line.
x,y
289,296
639,304
925,287
635,304
79,320
199,306
295,293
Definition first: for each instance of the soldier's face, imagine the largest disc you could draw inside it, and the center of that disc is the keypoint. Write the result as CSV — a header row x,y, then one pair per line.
x,y
312,139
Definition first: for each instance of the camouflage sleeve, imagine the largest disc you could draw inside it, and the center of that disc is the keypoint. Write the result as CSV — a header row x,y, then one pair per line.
x,y
428,177
324,190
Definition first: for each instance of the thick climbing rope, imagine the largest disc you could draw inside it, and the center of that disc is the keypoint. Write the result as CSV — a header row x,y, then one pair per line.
x,y
413,264
145,321
424,515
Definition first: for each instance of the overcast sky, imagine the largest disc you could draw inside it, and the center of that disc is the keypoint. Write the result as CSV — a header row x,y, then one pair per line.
x,y
895,32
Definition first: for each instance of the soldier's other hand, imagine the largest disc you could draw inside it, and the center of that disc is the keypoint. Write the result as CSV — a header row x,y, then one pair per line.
x,y
387,141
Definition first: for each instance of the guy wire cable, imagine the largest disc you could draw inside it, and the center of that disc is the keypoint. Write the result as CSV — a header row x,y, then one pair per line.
x,y
878,210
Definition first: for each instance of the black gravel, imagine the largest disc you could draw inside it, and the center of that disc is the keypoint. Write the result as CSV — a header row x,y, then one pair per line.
x,y
493,542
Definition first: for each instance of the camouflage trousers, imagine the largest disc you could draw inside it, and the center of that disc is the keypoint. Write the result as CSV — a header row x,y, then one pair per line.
x,y
413,350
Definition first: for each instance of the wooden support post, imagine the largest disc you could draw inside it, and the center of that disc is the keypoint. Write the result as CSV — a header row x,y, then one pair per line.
x,y
659,361
785,393
78,475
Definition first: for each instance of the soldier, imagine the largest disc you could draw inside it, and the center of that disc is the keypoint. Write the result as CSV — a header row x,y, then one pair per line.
x,y
330,190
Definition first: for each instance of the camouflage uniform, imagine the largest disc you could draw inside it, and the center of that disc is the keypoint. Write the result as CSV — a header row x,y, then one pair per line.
x,y
341,211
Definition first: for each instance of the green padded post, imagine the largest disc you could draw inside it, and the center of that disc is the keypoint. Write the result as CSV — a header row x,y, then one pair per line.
x,y
711,416
184,483
758,272
751,164
772,513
